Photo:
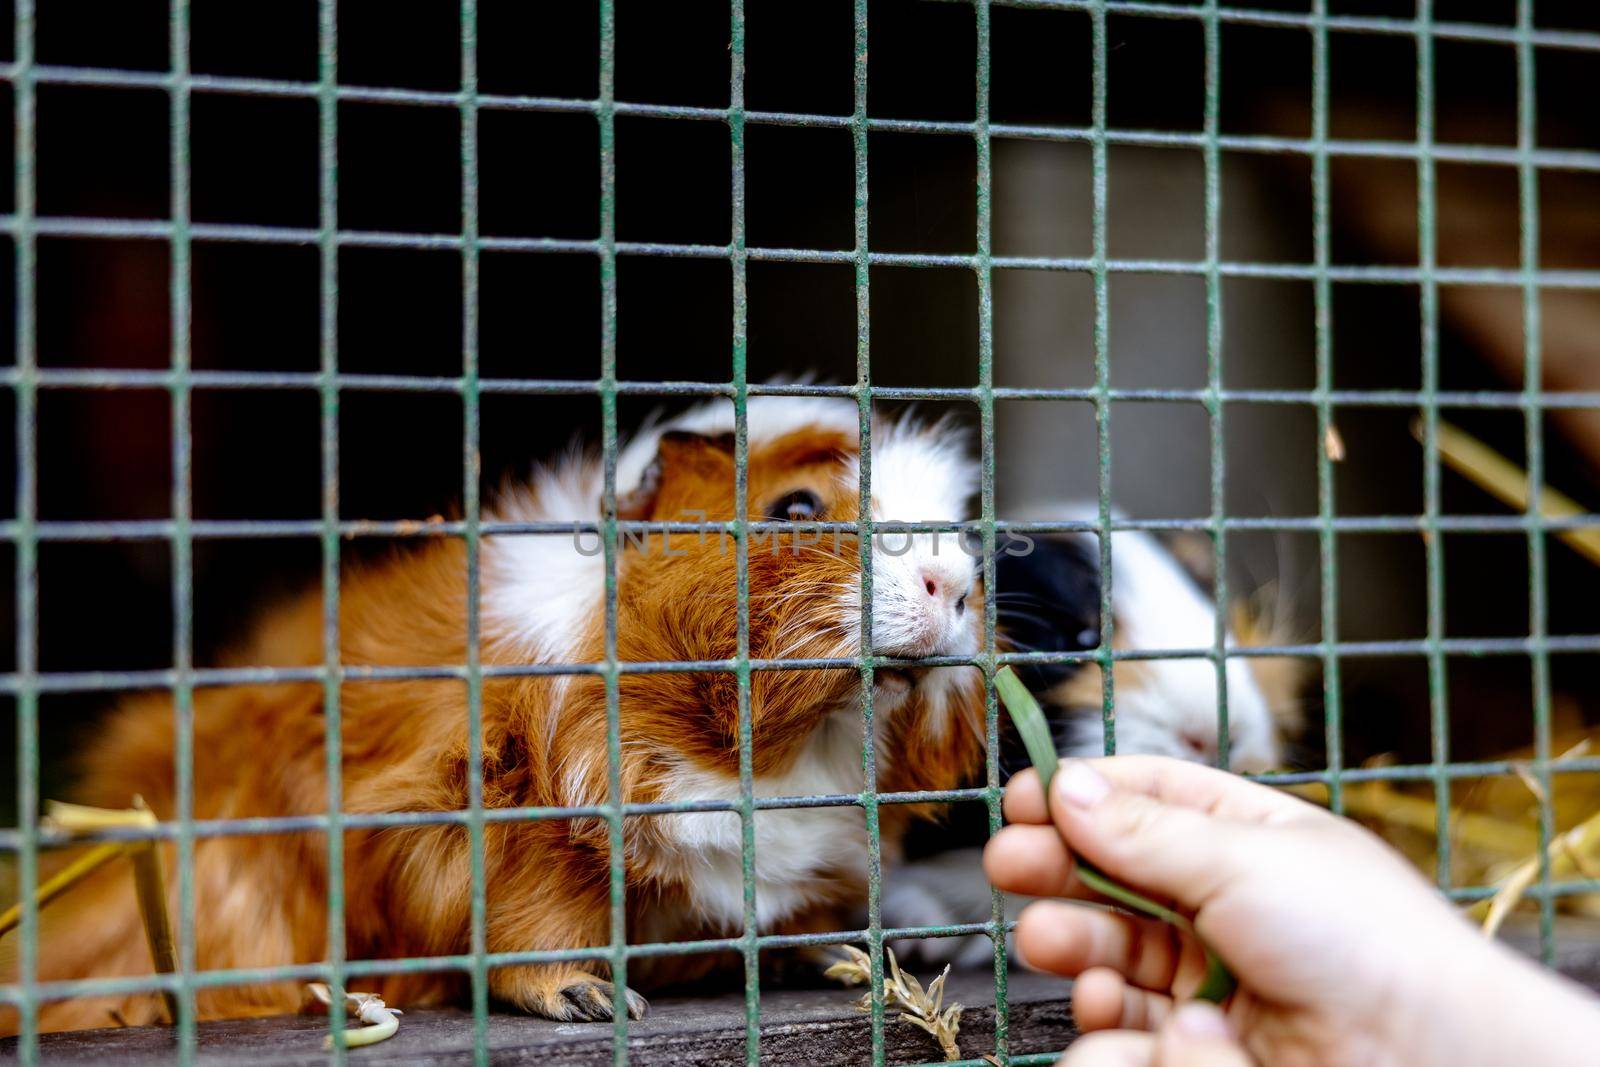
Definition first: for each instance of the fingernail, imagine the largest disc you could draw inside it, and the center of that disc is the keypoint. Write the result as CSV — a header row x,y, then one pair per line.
x,y
1081,785
1202,1021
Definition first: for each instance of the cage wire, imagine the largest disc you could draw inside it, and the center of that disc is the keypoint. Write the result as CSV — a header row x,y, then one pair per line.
x,y
27,532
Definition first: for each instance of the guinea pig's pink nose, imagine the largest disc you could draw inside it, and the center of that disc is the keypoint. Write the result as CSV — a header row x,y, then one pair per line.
x,y
942,590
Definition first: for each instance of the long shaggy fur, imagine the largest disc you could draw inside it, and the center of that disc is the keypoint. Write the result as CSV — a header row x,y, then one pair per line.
x,y
261,900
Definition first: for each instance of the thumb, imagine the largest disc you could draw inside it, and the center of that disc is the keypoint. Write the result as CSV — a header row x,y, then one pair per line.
x,y
1197,1035
1176,852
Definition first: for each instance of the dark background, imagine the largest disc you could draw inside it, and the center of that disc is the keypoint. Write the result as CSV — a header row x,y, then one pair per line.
x,y
103,152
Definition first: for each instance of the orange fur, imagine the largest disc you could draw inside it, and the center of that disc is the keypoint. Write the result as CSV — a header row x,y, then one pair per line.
x,y
259,751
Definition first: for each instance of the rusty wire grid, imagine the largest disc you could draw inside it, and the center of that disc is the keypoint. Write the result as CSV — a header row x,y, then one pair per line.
x,y
329,383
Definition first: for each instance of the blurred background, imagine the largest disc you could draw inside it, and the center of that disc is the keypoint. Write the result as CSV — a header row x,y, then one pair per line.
x,y
103,152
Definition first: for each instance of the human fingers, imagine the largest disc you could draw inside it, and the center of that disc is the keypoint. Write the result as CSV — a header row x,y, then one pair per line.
x,y
1172,850
1033,861
1030,860
1023,801
1070,939
1178,782
1183,783
1102,999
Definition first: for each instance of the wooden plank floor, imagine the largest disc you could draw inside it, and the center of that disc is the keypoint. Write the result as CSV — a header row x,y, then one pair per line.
x,y
814,1027
811,1027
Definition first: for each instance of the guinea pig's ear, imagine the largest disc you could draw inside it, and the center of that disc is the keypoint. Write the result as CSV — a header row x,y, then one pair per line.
x,y
678,453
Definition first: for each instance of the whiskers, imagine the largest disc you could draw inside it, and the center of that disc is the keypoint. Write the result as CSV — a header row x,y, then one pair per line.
x,y
815,587
835,646
806,627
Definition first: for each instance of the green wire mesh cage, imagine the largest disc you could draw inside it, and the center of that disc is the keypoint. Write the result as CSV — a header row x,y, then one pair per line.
x,y
329,383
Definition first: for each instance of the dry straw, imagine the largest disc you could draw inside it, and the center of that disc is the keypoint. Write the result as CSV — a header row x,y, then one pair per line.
x,y
149,881
922,1008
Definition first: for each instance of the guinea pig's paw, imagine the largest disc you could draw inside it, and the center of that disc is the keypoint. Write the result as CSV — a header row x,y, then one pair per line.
x,y
910,906
944,890
589,998
908,903
577,997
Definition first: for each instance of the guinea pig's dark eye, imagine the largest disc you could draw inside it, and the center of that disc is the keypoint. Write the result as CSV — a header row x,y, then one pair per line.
x,y
802,505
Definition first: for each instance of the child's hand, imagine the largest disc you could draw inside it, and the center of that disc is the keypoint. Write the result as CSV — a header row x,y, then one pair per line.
x,y
1343,954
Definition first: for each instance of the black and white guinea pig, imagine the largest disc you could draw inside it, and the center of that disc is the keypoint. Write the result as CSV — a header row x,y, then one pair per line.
x,y
1048,599
1047,595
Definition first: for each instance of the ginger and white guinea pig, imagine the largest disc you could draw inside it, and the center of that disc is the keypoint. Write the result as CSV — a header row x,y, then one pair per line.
x,y
260,899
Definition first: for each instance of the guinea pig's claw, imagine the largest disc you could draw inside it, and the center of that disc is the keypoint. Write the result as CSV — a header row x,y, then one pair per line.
x,y
590,1001
586,1001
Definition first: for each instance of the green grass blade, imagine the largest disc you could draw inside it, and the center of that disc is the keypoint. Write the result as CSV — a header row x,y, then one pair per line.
x,y
1030,722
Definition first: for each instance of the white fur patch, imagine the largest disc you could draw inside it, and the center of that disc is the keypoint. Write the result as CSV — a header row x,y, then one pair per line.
x,y
540,590
1158,607
921,474
796,848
